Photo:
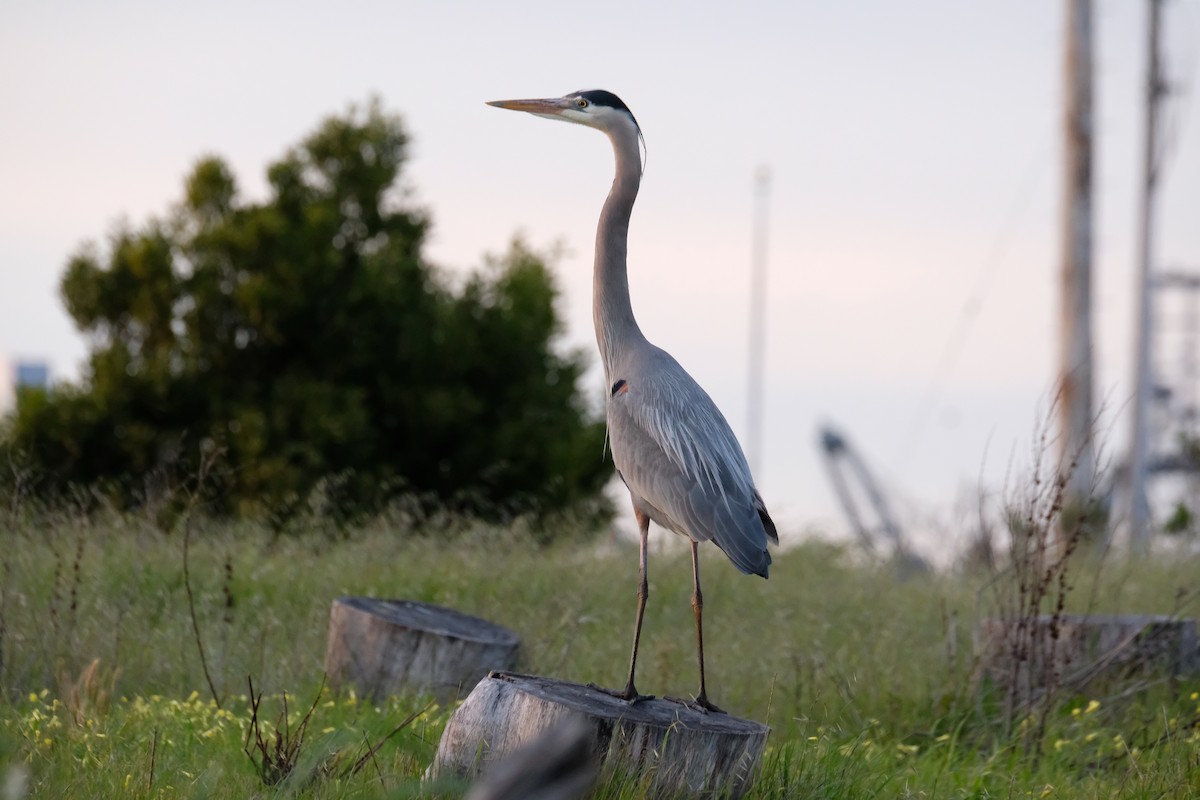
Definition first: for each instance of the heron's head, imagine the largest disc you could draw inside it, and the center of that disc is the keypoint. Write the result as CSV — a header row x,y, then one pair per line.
x,y
595,108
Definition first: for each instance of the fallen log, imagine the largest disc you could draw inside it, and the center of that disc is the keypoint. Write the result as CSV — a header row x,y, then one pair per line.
x,y
666,747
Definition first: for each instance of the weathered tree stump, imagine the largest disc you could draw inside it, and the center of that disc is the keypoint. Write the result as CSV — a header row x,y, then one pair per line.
x,y
1026,656
382,647
668,748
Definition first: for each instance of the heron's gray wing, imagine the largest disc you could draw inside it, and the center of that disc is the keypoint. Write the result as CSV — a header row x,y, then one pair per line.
x,y
677,453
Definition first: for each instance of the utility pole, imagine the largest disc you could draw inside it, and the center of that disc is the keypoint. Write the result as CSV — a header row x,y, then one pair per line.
x,y
1139,505
758,322
1076,459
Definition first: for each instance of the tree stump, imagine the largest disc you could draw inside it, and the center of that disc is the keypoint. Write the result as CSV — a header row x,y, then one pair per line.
x,y
668,748
1026,656
382,647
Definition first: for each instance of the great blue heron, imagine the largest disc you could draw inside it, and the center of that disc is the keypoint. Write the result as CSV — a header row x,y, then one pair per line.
x,y
670,443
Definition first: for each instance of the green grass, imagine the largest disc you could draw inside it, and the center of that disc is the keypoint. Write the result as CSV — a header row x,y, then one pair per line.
x,y
865,680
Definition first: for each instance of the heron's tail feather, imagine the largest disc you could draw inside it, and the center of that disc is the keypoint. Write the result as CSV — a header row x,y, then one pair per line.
x,y
746,548
746,557
768,523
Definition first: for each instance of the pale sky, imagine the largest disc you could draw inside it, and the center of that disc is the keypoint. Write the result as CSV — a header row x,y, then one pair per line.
x,y
914,148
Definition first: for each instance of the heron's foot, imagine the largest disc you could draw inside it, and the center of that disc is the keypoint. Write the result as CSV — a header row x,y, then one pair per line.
x,y
629,694
699,703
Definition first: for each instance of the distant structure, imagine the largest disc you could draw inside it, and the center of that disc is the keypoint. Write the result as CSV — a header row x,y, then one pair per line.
x,y
18,374
863,501
1164,404
31,373
1171,466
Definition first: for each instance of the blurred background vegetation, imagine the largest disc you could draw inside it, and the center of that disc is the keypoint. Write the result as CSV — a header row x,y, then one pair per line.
x,y
306,341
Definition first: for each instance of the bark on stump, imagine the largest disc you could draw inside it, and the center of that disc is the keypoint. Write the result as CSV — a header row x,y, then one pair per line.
x,y
384,647
668,748
1026,656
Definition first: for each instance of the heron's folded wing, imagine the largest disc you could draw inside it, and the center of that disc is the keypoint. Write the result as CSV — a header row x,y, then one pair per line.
x,y
676,451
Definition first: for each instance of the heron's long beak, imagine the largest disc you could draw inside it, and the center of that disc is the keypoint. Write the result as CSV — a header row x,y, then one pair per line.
x,y
548,107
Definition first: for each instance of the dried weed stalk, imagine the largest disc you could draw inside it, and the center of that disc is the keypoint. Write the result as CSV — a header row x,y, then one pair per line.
x,y
1021,649
208,458
89,695
276,754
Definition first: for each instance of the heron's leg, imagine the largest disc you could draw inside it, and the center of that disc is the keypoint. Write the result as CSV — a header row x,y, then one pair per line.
x,y
643,592
698,607
630,692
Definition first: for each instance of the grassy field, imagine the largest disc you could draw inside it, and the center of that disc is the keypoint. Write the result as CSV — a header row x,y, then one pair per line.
x,y
866,679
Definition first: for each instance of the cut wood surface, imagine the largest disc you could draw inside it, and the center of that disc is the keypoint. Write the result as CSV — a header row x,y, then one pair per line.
x,y
384,647
1074,650
667,747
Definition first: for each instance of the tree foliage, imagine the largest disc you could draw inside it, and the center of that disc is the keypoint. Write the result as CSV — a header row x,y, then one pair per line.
x,y
306,336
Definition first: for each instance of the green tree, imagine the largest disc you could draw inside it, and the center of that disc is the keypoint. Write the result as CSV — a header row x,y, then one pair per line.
x,y
307,337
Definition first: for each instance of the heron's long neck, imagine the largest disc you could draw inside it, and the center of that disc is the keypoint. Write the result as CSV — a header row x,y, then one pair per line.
x,y
616,328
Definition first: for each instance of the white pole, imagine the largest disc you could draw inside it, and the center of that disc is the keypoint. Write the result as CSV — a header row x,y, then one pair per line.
x,y
758,322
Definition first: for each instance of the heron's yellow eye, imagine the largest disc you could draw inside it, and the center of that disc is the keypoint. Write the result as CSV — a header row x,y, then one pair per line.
x,y
581,103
